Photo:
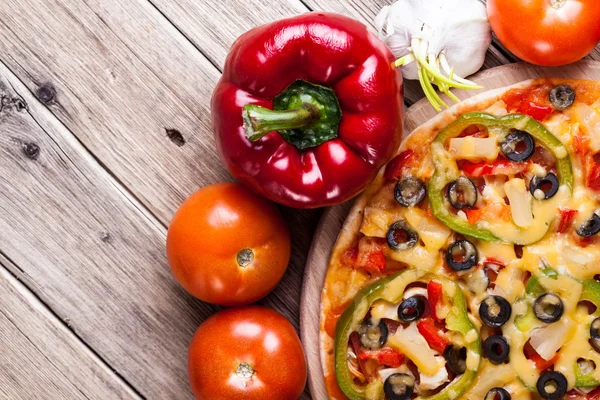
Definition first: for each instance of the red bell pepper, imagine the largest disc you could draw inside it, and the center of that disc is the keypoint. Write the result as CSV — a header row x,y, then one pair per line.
x,y
498,167
308,109
432,334
385,356
566,217
540,363
434,296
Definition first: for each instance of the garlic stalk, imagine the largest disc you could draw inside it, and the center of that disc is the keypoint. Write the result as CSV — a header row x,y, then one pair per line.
x,y
438,42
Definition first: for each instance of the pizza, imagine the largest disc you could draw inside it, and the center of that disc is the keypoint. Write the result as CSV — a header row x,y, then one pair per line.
x,y
469,269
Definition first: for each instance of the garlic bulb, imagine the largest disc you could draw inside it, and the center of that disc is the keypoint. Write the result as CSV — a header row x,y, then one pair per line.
x,y
431,36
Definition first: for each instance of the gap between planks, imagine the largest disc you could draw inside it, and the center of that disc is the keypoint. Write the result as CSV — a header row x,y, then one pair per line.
x,y
22,91
62,326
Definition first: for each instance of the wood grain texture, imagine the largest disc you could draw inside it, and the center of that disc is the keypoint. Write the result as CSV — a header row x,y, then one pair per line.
x,y
42,359
331,222
213,26
134,77
123,78
86,250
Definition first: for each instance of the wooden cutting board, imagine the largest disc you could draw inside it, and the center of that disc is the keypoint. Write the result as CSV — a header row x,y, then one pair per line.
x,y
333,218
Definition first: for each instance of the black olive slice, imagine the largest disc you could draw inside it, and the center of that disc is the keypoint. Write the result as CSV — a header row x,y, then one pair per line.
x,y
400,236
462,255
517,145
589,227
595,334
548,186
399,386
497,394
411,309
494,311
496,349
410,192
371,336
456,359
462,193
562,97
548,308
552,385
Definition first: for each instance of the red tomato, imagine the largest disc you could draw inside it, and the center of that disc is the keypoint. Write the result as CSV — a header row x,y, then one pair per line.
x,y
246,353
546,32
498,167
227,245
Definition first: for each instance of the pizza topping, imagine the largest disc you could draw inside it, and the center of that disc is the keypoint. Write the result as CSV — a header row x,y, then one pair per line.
x,y
548,308
472,148
544,188
478,281
411,309
494,311
399,386
400,236
520,202
371,336
417,337
517,145
456,359
562,97
552,385
497,394
590,227
595,334
462,193
496,349
462,255
530,221
410,192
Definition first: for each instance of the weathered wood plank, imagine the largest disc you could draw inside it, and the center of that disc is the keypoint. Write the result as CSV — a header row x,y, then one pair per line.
x,y
41,358
124,80
88,252
214,25
140,76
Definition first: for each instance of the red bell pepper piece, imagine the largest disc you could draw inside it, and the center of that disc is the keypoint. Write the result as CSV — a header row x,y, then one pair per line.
x,y
532,101
434,296
535,111
499,167
540,363
281,84
566,217
574,395
395,168
593,179
385,356
432,334
367,255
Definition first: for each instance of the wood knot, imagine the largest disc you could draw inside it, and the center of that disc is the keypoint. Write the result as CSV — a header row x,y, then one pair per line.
x,y
12,103
105,237
46,93
31,150
175,136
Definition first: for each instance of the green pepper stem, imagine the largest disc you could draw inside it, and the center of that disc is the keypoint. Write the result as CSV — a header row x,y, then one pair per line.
x,y
258,121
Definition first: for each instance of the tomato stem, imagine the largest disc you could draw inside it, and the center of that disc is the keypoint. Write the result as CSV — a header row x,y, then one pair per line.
x,y
244,371
245,257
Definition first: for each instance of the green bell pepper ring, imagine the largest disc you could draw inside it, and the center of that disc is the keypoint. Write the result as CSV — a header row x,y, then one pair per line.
x,y
391,289
590,292
443,175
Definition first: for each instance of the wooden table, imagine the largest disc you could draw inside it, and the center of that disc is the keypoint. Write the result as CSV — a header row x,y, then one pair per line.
x,y
104,131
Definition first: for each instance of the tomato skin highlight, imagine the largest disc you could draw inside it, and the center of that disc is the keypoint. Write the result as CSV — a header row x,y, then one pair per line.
x,y
538,33
255,335
209,231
